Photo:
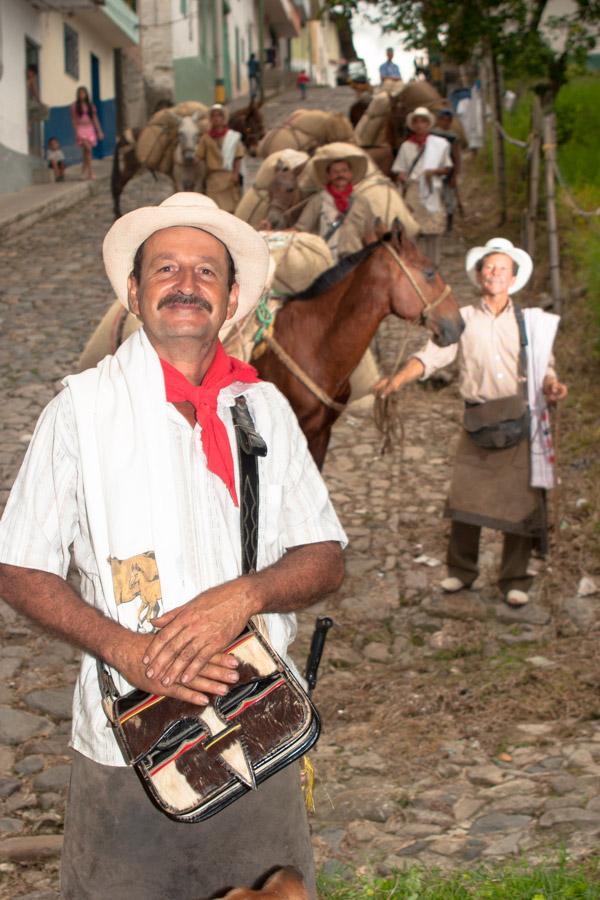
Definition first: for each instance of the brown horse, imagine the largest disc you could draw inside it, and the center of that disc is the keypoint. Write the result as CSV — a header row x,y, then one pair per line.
x,y
327,329
249,122
285,198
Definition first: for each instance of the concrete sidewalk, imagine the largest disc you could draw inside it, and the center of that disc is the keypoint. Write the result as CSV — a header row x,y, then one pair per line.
x,y
21,209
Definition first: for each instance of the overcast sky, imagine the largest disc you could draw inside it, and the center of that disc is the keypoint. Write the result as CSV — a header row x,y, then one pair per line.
x,y
370,43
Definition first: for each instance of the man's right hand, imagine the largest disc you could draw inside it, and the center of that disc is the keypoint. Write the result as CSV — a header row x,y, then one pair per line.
x,y
216,678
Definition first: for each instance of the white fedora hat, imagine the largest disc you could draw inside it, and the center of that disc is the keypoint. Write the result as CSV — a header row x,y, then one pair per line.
x,y
501,245
423,112
248,249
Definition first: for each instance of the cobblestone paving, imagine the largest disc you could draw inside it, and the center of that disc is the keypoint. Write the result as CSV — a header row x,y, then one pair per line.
x,y
404,772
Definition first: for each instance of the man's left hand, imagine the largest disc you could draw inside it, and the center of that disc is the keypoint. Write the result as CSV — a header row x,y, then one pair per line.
x,y
193,633
554,390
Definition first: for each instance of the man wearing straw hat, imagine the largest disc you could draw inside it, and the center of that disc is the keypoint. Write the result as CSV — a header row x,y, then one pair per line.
x,y
504,461
222,152
421,164
134,459
342,218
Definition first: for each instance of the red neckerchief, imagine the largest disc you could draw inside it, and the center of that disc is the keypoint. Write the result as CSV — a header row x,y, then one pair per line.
x,y
341,198
222,371
418,139
217,133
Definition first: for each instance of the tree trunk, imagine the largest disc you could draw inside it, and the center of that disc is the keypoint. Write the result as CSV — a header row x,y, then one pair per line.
x,y
534,175
550,175
498,139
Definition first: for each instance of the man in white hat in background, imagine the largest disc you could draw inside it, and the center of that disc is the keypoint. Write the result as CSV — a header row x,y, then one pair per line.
x,y
504,460
341,217
421,164
134,460
222,152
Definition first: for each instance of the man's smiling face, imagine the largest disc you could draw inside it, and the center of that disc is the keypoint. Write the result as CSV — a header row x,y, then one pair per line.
x,y
183,289
496,275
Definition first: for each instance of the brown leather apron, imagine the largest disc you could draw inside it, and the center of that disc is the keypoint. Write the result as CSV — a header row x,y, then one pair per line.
x,y
491,488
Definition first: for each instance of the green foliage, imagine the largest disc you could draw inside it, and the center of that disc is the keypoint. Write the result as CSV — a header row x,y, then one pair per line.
x,y
518,881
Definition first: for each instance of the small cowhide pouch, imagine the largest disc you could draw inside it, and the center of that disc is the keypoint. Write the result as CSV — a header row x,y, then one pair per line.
x,y
193,760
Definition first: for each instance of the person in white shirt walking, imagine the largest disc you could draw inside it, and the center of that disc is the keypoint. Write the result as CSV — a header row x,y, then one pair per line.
x,y
421,164
504,460
134,460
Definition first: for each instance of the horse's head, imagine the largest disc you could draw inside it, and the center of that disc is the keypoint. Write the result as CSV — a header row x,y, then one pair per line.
x,y
249,122
418,292
188,132
284,193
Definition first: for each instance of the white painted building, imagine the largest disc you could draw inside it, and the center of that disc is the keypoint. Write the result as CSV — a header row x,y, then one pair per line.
x,y
65,43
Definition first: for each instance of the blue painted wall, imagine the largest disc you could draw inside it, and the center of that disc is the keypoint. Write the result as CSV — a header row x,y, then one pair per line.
x,y
59,125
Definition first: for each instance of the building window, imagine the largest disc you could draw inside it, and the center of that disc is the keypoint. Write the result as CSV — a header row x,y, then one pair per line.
x,y
71,42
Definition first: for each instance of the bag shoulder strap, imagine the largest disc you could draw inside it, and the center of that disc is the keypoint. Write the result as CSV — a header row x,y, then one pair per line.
x,y
250,446
338,223
523,342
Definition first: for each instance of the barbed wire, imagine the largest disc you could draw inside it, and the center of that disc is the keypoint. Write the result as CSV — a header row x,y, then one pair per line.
x,y
511,140
569,196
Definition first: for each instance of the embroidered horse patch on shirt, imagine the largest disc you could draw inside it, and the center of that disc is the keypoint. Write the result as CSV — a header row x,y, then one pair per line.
x,y
137,577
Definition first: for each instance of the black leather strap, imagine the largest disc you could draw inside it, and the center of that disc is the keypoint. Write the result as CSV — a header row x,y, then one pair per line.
x,y
250,446
522,348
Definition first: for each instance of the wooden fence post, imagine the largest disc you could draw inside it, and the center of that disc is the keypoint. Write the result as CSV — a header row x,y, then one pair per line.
x,y
534,175
549,148
500,156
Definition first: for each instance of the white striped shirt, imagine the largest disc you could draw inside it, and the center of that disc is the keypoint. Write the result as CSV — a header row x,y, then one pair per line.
x,y
46,517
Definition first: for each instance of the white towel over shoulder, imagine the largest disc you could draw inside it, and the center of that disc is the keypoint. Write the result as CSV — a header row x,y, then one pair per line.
x,y
541,330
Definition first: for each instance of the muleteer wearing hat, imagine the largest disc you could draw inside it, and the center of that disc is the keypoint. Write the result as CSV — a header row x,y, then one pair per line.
x,y
222,152
133,465
340,216
504,461
421,164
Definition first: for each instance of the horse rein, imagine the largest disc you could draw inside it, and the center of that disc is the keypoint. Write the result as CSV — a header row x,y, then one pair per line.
x,y
427,305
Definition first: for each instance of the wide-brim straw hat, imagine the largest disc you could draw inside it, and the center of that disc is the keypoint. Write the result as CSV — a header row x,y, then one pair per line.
x,y
248,249
328,154
218,107
501,245
423,112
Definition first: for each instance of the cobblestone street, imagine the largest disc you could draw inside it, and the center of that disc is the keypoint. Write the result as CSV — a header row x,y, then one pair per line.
x,y
454,728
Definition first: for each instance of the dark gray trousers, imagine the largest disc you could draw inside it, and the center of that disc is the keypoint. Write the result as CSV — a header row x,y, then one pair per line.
x,y
463,555
118,846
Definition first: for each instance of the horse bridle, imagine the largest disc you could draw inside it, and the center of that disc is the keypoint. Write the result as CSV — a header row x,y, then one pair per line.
x,y
427,305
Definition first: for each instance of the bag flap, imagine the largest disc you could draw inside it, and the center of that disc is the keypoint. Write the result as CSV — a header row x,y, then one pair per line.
x,y
483,415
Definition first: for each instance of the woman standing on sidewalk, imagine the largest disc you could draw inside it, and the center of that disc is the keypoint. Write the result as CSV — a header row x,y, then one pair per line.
x,y
86,127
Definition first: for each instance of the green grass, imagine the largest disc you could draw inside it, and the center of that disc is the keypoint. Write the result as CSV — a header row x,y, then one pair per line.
x,y
517,881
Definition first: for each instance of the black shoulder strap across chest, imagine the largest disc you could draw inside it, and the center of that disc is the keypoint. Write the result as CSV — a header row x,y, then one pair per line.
x,y
522,345
250,446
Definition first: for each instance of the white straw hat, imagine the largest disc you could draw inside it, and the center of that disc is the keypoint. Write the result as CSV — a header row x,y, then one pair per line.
x,y
423,112
339,152
248,249
501,245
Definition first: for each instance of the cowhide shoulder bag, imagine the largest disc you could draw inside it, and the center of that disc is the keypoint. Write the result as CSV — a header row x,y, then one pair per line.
x,y
194,761
498,424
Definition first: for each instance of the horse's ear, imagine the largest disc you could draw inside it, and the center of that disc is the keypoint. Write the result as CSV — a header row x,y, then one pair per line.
x,y
379,228
397,230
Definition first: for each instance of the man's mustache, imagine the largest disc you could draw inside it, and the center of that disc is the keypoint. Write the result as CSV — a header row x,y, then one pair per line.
x,y
177,298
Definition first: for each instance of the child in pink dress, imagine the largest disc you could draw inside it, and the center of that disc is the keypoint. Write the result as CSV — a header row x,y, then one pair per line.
x,y
86,127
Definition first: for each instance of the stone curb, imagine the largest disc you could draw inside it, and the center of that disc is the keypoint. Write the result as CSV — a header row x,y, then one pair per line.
x,y
13,223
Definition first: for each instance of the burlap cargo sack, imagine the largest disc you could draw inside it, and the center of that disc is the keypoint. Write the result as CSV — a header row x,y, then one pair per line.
x,y
290,159
253,206
189,107
299,259
155,138
418,93
386,200
306,130
372,128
